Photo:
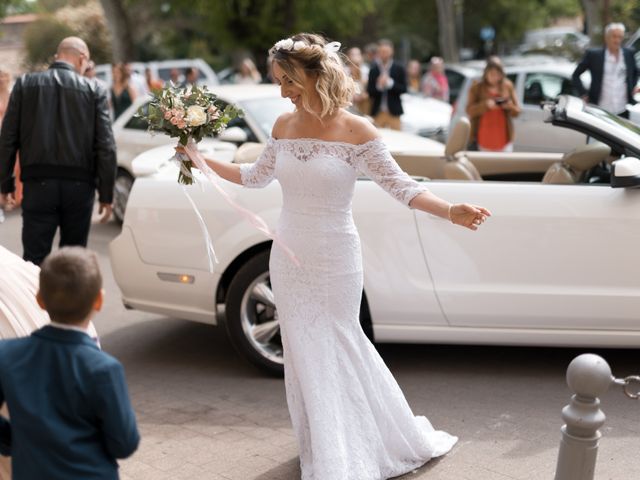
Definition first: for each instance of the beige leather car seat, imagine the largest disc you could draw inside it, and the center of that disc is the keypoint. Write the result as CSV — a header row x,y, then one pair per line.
x,y
573,166
248,152
458,166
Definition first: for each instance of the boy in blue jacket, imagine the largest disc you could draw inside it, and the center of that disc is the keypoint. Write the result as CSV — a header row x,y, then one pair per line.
x,y
71,416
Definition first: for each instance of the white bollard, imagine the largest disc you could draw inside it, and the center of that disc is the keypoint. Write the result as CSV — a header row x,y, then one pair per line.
x,y
588,376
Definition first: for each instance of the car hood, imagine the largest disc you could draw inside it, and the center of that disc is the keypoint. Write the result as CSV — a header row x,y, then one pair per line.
x,y
159,159
402,142
423,114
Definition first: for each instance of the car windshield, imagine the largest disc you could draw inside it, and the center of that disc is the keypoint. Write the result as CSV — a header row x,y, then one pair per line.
x,y
265,111
614,120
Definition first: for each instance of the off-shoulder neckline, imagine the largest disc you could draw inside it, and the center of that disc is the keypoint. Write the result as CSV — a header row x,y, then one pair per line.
x,y
329,142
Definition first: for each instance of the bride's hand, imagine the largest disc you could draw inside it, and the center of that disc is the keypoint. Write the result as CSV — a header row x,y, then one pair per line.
x,y
180,149
470,216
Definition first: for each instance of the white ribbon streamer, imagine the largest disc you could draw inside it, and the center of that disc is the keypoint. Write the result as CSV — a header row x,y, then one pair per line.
x,y
194,155
211,253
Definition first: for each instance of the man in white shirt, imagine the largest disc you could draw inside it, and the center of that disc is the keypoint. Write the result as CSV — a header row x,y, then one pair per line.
x,y
614,73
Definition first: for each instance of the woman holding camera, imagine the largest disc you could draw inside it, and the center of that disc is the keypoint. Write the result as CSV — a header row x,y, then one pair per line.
x,y
492,104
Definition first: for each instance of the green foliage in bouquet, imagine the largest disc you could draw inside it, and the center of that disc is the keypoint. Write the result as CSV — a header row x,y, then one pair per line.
x,y
187,113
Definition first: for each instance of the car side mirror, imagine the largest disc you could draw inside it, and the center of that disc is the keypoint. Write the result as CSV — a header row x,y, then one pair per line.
x,y
233,135
625,173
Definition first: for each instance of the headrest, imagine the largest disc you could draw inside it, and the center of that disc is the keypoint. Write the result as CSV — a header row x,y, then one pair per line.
x,y
586,157
248,152
458,137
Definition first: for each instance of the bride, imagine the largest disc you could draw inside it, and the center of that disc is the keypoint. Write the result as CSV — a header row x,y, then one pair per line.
x,y
349,415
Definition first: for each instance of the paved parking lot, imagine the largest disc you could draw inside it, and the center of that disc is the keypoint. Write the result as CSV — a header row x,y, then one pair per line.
x,y
204,413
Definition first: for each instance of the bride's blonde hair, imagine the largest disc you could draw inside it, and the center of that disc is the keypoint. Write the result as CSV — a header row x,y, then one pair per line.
x,y
311,54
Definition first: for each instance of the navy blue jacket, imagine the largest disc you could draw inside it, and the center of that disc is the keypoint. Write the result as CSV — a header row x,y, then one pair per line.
x,y
593,61
69,406
397,73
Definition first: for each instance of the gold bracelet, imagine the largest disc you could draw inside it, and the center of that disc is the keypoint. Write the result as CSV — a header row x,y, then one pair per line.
x,y
449,212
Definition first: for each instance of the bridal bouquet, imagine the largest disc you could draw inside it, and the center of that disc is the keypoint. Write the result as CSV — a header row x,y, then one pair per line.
x,y
188,114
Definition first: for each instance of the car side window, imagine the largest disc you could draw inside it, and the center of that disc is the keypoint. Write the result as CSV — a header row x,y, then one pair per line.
x,y
513,78
138,123
240,123
165,74
540,87
455,80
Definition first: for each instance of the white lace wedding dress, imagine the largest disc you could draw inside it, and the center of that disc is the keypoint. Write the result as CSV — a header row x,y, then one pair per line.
x,y
349,415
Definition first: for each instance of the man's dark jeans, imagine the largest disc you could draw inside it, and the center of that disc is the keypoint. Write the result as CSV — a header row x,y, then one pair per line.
x,y
51,203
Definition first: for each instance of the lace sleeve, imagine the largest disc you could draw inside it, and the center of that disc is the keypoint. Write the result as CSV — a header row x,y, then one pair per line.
x,y
260,173
374,160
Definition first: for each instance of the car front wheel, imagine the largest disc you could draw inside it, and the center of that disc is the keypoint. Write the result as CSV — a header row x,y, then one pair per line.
x,y
252,318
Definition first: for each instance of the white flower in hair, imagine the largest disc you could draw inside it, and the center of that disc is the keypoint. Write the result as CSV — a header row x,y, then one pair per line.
x,y
299,45
285,44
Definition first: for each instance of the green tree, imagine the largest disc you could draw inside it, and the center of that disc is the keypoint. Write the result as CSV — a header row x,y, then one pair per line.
x,y
85,21
51,6
88,22
627,12
41,40
120,27
215,29
511,18
11,7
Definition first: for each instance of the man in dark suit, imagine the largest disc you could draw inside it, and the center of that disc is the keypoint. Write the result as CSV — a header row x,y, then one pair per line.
x,y
70,411
59,122
614,73
387,81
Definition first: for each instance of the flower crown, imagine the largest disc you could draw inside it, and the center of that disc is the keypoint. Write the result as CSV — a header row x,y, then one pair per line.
x,y
291,45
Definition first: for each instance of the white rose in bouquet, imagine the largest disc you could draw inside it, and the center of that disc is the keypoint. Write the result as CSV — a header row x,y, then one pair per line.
x,y
196,116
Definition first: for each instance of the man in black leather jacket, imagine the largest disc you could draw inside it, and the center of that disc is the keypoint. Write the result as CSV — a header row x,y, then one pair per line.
x,y
59,122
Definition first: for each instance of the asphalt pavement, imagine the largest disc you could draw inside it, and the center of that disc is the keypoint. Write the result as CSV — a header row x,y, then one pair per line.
x,y
204,413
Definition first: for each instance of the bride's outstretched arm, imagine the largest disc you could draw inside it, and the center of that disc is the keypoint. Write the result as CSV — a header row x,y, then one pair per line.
x,y
375,161
464,214
228,171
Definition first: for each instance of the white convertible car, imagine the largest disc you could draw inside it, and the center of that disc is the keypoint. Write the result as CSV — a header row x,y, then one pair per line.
x,y
556,265
262,104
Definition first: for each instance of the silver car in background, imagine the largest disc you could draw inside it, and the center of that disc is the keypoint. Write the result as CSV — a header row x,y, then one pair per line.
x,y
536,79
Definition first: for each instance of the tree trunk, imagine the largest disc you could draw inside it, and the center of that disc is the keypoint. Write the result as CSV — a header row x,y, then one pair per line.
x,y
593,19
122,39
447,30
289,16
606,12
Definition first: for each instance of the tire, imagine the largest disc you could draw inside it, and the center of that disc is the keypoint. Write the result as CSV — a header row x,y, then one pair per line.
x,y
251,316
121,191
247,307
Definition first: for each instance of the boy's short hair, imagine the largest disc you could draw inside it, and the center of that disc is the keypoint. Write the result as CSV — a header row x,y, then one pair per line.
x,y
70,282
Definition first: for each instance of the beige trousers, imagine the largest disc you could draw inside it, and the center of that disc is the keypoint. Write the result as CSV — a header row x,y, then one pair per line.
x,y
386,120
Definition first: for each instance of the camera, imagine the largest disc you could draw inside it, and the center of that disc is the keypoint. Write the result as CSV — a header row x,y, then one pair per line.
x,y
500,100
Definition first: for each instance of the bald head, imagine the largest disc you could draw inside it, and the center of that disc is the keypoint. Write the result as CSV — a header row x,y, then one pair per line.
x,y
75,51
73,44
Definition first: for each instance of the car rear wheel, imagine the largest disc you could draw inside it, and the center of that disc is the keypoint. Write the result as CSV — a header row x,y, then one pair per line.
x,y
121,191
252,318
